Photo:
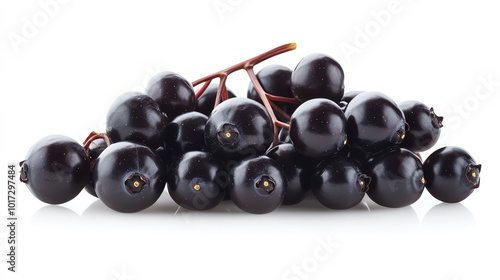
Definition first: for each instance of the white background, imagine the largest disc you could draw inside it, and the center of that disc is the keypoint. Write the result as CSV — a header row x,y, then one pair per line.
x,y
60,75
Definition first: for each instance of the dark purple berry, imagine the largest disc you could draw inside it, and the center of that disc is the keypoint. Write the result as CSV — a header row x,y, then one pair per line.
x,y
238,128
317,128
129,177
374,122
397,177
135,117
338,183
425,126
452,174
173,93
198,181
259,185
56,169
318,76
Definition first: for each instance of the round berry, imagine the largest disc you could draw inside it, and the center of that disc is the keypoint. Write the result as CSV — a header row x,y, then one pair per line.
x,y
129,177
374,122
338,183
259,185
318,76
397,177
135,117
452,174
317,128
56,169
198,181
238,128
425,126
173,93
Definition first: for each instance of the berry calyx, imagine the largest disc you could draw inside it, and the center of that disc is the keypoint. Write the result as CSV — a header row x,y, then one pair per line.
x,y
472,175
136,182
266,184
228,135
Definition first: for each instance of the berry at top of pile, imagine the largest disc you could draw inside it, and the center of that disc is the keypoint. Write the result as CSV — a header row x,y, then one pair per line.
x,y
137,118
318,76
173,93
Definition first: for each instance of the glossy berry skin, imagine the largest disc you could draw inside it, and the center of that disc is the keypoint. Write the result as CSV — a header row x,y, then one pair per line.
x,y
318,76
374,122
135,117
317,128
397,177
129,177
198,181
259,185
452,174
56,169
95,149
338,183
298,170
348,96
173,93
186,133
275,80
238,128
425,126
205,103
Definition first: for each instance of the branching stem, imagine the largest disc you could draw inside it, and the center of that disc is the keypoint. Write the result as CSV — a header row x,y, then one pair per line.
x,y
267,98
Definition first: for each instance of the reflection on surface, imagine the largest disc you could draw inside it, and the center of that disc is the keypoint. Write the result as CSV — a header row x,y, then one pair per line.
x,y
449,217
54,216
163,206
307,216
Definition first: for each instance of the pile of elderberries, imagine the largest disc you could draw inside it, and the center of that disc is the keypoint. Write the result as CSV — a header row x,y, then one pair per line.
x,y
296,133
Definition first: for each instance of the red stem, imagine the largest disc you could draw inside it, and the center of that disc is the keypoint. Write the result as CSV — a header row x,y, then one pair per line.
x,y
247,63
282,99
262,95
94,136
202,89
280,111
222,84
224,93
